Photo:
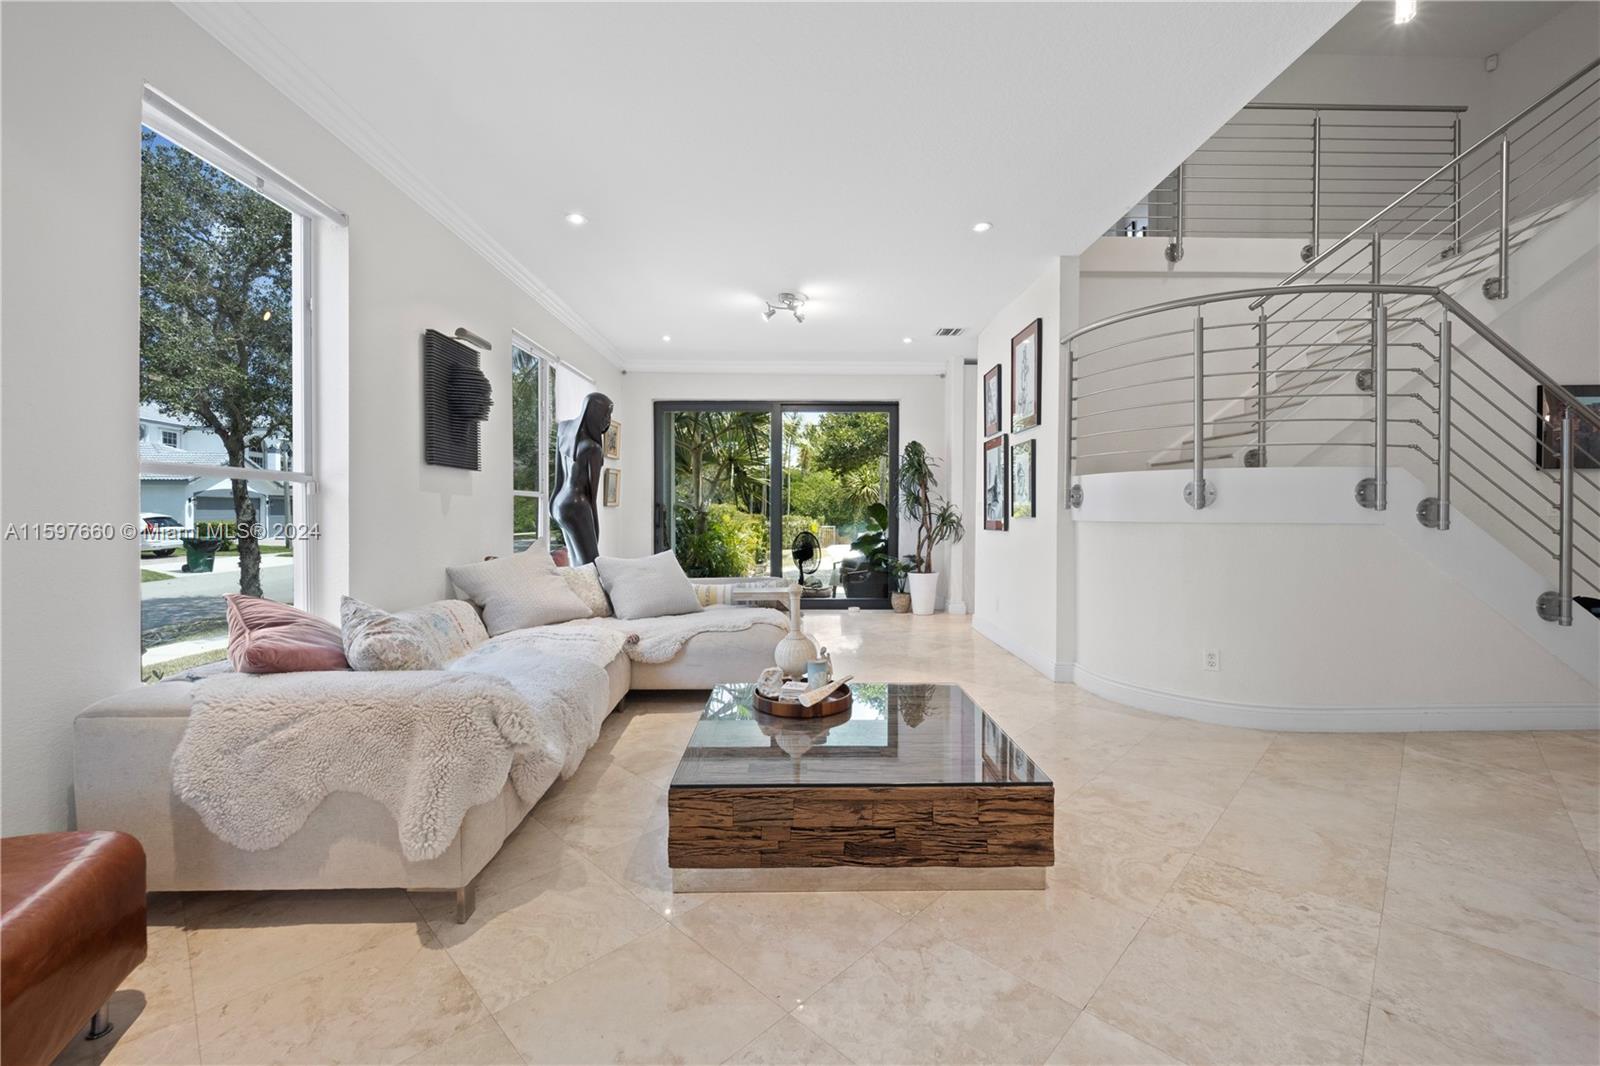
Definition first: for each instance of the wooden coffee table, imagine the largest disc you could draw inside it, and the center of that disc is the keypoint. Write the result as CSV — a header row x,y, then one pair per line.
x,y
915,787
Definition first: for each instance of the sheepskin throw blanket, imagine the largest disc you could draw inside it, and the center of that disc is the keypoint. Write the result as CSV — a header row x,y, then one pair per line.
x,y
658,640
260,752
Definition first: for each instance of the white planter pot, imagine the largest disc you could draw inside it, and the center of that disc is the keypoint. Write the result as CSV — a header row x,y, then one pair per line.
x,y
924,589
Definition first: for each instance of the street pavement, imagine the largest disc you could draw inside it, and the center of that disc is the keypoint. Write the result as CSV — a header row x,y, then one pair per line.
x,y
192,603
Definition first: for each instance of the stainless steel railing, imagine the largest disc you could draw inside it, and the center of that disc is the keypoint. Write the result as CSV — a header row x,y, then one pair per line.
x,y
1458,416
1298,170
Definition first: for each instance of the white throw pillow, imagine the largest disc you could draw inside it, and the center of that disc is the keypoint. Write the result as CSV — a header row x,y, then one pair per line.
x,y
647,588
517,592
584,581
374,639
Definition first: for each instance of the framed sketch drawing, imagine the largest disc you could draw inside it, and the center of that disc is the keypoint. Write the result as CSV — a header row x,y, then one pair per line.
x,y
1025,368
996,515
991,401
611,491
1022,479
1585,440
613,440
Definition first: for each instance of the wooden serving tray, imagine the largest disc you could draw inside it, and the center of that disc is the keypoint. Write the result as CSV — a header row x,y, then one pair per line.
x,y
836,703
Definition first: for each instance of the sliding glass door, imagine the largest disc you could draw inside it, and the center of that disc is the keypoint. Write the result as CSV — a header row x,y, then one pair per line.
x,y
780,488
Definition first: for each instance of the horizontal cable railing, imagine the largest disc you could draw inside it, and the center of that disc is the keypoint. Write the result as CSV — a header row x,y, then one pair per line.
x,y
1408,377
1308,171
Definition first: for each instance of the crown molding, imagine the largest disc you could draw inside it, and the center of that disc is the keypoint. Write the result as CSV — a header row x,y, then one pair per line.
x,y
245,36
840,366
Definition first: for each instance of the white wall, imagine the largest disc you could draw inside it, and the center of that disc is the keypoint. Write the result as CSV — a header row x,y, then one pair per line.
x,y
1022,575
922,418
73,78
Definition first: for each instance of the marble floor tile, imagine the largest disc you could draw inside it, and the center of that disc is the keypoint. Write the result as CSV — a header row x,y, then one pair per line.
x,y
1526,856
908,903
160,990
1484,998
788,944
1555,925
612,809
640,866
1363,765
1516,751
1581,797
1062,939
383,1003
788,1043
132,1043
1092,1042
1152,814
917,997
1323,939
240,941
662,998
1113,864
1575,754
525,937
1211,777
1205,1003
1304,849
1486,794
1394,1041
531,851
481,1044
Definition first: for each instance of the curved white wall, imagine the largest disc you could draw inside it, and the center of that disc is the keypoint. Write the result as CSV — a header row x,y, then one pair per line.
x,y
1326,616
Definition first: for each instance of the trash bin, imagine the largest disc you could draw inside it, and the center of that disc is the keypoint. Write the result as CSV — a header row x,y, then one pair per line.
x,y
200,554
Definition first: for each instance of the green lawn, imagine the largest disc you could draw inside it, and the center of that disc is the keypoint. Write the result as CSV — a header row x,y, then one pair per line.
x,y
153,575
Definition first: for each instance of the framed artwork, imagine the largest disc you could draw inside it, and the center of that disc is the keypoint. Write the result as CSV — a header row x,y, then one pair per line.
x,y
1022,479
1025,368
611,490
991,401
613,440
1585,440
996,515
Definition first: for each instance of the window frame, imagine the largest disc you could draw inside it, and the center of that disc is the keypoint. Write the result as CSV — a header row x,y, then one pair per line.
x,y
307,212
547,363
174,434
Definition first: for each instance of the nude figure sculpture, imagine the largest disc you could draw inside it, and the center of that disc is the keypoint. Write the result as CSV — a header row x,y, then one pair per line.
x,y
576,503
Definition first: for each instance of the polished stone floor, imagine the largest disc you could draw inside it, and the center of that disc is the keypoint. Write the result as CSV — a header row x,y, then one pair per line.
x,y
1220,895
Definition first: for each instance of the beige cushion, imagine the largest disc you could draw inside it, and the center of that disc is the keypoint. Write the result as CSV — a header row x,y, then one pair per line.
x,y
584,581
647,588
518,592
374,639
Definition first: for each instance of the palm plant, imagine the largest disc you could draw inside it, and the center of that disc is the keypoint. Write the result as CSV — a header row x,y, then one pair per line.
x,y
938,520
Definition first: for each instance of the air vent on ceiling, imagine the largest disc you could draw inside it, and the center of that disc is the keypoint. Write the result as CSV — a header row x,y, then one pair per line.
x,y
949,331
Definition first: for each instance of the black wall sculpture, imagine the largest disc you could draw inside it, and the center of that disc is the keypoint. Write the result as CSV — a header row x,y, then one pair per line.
x,y
575,503
455,399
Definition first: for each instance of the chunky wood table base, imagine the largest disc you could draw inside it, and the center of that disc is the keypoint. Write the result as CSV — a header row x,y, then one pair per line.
x,y
841,825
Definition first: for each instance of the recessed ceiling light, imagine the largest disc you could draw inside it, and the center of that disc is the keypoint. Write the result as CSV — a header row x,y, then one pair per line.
x,y
666,338
982,227
905,340
577,219
1404,11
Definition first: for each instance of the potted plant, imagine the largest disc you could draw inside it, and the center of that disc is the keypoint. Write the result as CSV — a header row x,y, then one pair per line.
x,y
869,578
938,520
900,599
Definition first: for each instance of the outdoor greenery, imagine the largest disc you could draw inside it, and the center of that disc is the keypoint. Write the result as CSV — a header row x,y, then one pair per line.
x,y
215,312
153,575
835,468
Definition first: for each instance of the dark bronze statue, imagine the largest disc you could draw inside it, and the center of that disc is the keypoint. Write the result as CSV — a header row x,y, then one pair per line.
x,y
576,503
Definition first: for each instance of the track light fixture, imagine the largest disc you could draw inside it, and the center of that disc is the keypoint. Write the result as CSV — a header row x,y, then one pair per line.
x,y
792,302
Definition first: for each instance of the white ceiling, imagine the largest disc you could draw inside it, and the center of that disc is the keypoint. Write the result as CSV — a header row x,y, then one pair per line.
x,y
726,152
1449,29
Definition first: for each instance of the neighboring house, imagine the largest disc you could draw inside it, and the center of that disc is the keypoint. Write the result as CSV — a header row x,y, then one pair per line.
x,y
191,500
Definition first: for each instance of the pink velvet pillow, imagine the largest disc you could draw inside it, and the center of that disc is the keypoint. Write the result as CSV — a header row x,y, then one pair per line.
x,y
267,637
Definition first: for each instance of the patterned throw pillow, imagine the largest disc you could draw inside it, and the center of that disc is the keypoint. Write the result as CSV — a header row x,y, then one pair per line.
x,y
518,592
452,625
374,639
584,581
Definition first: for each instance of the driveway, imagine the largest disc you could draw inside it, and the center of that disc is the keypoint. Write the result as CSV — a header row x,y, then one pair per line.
x,y
192,603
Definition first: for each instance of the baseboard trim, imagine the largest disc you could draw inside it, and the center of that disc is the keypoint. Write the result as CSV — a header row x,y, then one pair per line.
x,y
1051,668
1338,719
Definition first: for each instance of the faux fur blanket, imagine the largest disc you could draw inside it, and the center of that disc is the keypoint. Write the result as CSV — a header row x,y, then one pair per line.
x,y
260,752
658,640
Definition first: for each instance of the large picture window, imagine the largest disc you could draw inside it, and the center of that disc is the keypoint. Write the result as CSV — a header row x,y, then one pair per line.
x,y
225,348
781,489
531,389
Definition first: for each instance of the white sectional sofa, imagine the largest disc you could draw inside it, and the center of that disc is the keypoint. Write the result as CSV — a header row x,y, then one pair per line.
x,y
124,747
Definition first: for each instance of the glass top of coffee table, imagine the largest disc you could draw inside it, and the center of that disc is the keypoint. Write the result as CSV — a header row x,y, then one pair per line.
x,y
893,735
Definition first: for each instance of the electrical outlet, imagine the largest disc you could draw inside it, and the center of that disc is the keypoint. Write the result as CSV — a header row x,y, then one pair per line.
x,y
1211,659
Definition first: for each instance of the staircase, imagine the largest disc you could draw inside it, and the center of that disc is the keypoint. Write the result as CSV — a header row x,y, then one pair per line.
x,y
1380,348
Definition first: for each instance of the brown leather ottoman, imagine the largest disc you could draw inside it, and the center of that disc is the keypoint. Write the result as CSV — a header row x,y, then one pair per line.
x,y
72,928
